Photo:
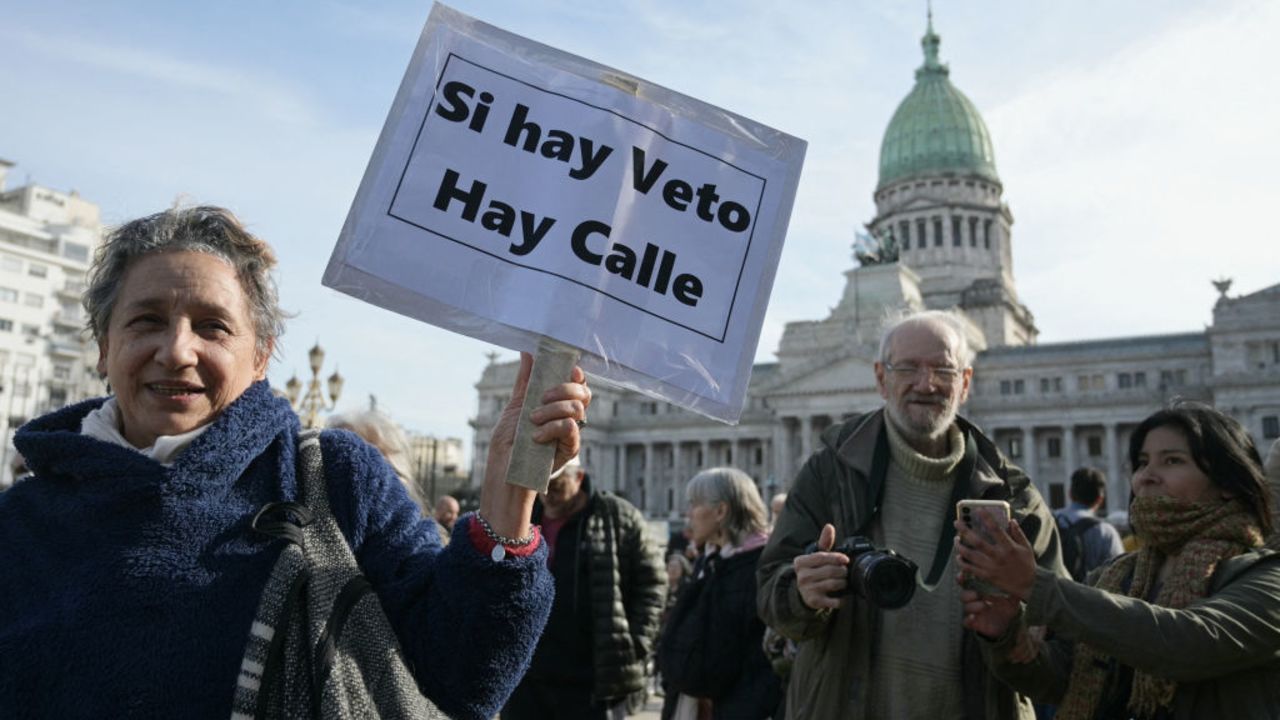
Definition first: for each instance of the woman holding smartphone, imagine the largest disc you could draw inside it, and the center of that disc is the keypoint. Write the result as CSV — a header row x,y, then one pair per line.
x,y
1186,627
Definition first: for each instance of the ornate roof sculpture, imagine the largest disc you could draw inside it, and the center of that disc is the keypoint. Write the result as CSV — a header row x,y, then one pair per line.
x,y
935,128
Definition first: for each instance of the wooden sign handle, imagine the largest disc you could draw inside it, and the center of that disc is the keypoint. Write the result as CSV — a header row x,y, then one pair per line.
x,y
530,465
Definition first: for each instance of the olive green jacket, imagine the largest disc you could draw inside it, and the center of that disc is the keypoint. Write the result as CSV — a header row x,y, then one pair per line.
x,y
1223,651
832,670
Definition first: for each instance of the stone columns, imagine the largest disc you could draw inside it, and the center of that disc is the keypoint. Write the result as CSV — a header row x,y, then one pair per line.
x,y
706,455
1117,486
678,479
1029,459
649,483
782,453
1068,451
806,436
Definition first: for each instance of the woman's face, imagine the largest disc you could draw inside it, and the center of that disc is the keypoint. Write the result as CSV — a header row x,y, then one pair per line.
x,y
1165,468
180,344
705,521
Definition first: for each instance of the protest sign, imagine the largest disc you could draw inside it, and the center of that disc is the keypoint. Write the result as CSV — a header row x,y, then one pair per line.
x,y
518,192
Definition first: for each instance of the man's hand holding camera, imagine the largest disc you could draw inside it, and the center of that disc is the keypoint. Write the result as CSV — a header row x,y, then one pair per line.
x,y
827,572
823,576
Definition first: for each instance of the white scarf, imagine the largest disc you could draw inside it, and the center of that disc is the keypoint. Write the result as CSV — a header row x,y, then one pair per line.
x,y
104,424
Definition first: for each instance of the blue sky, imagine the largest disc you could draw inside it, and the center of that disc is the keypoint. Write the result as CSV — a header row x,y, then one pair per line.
x,y
1136,140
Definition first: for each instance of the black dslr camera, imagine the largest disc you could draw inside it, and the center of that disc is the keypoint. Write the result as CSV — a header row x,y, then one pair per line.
x,y
882,576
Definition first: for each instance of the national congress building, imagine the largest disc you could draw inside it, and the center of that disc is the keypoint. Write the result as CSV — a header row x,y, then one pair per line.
x,y
1050,407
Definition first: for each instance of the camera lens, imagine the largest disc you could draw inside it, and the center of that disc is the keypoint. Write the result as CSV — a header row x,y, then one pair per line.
x,y
885,579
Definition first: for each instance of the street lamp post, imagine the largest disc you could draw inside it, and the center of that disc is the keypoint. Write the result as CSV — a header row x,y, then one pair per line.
x,y
312,403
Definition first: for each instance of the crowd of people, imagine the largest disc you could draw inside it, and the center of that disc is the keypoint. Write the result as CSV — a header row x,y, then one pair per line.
x,y
138,558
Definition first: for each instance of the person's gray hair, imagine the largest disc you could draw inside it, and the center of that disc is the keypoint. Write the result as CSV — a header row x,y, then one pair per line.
x,y
936,318
205,229
746,513
381,432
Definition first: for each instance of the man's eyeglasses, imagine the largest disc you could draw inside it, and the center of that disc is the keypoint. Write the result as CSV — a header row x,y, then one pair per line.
x,y
942,375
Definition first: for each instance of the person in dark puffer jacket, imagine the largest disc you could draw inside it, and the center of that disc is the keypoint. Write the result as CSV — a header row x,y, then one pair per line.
x,y
610,590
711,650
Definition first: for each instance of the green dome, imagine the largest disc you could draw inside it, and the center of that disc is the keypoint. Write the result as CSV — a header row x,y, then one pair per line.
x,y
936,128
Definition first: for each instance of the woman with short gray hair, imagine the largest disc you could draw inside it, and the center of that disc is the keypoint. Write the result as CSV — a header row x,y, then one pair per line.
x,y
734,491
710,653
132,561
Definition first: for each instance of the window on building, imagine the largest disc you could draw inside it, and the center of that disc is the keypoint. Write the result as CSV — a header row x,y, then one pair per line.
x,y
1270,427
973,232
922,237
955,231
1124,380
1140,379
937,232
1015,447
57,397
30,330
1057,495
8,263
75,251
1006,387
986,234
8,295
1099,382
1053,447
1082,383
1275,352
671,499
1019,387
1095,445
6,325
22,389
904,230
34,300
37,270
759,455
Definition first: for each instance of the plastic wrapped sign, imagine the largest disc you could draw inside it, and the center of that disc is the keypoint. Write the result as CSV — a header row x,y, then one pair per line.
x,y
517,192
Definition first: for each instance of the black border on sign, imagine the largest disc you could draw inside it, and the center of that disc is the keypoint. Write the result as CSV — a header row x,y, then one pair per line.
x,y
422,129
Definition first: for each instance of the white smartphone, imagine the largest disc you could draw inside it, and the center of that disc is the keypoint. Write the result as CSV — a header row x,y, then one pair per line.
x,y
968,512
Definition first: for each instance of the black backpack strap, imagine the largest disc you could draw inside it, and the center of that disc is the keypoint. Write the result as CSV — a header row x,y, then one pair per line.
x,y
875,483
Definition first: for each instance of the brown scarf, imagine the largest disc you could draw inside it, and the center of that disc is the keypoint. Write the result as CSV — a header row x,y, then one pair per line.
x,y
1201,534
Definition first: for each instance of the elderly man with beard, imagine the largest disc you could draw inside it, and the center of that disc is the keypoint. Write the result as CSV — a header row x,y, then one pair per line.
x,y
894,475
610,593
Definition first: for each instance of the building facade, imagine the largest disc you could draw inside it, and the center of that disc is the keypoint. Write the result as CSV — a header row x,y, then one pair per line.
x,y
940,213
47,239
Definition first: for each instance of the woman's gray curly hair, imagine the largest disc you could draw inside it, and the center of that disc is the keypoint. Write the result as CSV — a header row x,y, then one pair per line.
x,y
733,487
206,229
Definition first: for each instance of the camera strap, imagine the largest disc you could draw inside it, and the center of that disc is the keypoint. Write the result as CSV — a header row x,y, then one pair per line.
x,y
962,480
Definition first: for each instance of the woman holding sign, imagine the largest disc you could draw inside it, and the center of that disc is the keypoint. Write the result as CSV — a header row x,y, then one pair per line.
x,y
135,564
1186,627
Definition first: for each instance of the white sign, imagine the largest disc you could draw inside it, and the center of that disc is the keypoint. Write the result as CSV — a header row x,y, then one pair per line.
x,y
517,191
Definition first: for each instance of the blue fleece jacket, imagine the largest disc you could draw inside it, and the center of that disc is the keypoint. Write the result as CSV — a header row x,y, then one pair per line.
x,y
128,588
